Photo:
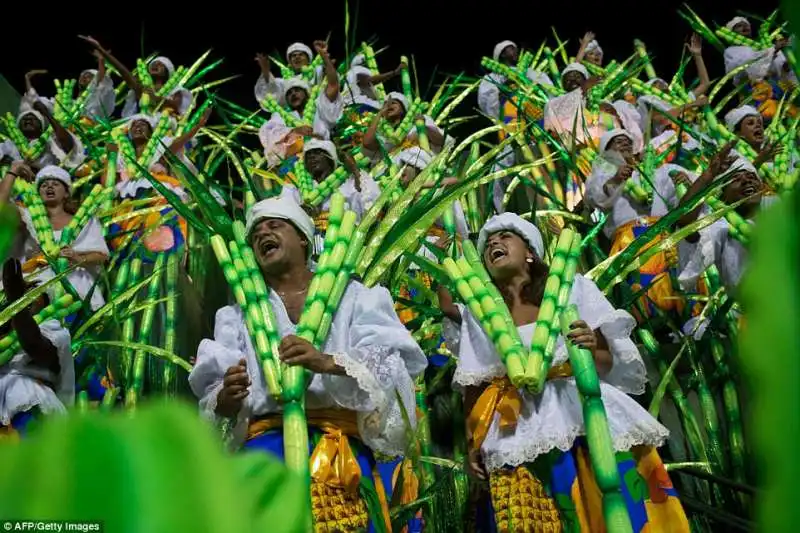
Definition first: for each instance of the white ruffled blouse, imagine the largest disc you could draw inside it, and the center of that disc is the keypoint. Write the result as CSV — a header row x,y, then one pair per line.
x,y
367,339
21,388
554,419
620,208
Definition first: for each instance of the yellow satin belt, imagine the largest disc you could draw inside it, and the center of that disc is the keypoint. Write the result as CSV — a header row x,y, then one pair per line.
x,y
332,461
502,397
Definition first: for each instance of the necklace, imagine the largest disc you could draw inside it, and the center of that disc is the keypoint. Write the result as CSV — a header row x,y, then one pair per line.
x,y
292,293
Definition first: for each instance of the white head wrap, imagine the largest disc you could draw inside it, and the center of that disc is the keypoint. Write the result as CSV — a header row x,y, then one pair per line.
x,y
297,83
499,47
359,59
656,80
150,119
284,210
31,111
736,20
415,157
92,71
52,172
186,99
326,146
299,47
166,62
400,97
594,45
608,136
735,116
512,222
741,164
575,67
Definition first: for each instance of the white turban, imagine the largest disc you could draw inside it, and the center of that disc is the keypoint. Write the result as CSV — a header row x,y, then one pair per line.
x,y
359,59
400,98
297,83
150,119
653,81
326,146
593,45
741,164
52,172
575,67
608,136
92,71
31,111
498,49
299,47
283,209
166,62
736,20
186,99
512,222
735,116
415,157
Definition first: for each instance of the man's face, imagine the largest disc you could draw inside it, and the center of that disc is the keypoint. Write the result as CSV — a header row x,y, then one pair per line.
x,y
743,184
278,246
53,192
572,80
30,126
621,144
298,60
509,55
318,163
296,98
743,28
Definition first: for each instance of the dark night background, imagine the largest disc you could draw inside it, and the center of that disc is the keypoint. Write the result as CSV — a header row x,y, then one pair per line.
x,y
443,36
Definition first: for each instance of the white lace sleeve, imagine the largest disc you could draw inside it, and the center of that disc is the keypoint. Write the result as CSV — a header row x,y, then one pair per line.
x,y
380,363
60,338
628,372
596,195
489,98
707,252
91,238
214,357
70,160
478,361
759,61
370,191
329,111
664,197
273,86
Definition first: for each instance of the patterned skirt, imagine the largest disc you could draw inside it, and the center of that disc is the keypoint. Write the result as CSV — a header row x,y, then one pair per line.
x,y
558,493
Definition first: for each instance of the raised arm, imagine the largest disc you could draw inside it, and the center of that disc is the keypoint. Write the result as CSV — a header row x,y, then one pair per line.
x,y
370,140
179,142
36,345
101,66
29,76
63,137
332,89
386,76
695,47
126,74
587,38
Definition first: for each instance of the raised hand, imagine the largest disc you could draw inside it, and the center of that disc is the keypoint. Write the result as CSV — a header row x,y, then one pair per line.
x,y
263,62
695,45
91,40
321,47
587,38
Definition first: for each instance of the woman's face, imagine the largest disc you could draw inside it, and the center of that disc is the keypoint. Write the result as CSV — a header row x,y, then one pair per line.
x,y
506,255
296,98
595,57
298,60
53,192
661,85
395,110
318,162
85,79
743,28
744,184
174,102
157,69
572,80
751,129
141,131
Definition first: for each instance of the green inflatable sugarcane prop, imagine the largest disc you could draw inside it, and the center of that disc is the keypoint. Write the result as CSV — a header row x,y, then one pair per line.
x,y
29,150
641,51
405,79
598,436
556,295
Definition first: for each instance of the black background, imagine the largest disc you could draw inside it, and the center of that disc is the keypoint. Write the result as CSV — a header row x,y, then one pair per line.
x,y
442,36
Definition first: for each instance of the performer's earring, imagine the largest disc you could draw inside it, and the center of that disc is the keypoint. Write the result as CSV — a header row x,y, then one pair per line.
x,y
529,260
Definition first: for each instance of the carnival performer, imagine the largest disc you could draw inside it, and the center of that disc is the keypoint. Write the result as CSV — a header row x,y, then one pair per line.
x,y
298,57
51,142
533,454
40,379
590,50
368,361
87,252
282,142
393,112
760,63
360,82
628,217
748,124
101,101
